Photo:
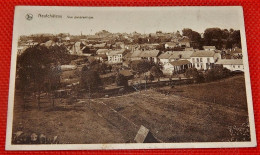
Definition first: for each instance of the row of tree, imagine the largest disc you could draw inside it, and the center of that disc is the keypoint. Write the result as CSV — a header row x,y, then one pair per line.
x,y
221,38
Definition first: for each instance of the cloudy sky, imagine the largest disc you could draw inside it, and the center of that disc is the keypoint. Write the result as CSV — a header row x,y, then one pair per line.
x,y
123,19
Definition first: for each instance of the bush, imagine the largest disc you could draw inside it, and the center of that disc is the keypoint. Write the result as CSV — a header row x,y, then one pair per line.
x,y
195,75
216,73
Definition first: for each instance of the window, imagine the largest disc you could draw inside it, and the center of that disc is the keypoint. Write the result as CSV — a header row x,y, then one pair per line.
x,y
200,59
207,59
198,65
234,66
238,66
193,60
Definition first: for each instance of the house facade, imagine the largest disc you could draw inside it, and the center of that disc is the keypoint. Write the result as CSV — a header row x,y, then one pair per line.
x,y
204,60
178,66
232,64
116,56
165,57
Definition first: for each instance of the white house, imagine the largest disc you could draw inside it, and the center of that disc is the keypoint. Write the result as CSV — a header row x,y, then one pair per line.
x,y
178,66
170,45
116,56
232,64
203,60
164,57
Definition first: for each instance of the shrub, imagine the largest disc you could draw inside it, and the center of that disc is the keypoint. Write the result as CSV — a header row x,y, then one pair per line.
x,y
216,73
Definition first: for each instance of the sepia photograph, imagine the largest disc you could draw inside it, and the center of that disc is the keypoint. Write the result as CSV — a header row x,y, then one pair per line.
x,y
129,78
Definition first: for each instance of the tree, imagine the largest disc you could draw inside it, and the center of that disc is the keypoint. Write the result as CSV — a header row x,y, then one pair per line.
x,y
90,80
99,67
33,67
194,74
218,72
156,72
121,80
213,37
59,54
54,79
151,77
141,66
236,39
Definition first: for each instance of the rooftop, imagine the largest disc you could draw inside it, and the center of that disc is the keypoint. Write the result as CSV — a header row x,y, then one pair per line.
x,y
209,47
126,72
230,62
150,53
111,53
180,62
203,53
181,55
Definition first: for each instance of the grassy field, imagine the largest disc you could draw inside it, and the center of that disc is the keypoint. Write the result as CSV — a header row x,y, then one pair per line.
x,y
192,113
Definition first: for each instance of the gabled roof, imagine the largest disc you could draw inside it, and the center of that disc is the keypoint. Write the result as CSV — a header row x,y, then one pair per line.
x,y
111,53
230,62
209,47
100,45
203,53
181,54
180,62
150,53
136,53
126,72
102,51
165,55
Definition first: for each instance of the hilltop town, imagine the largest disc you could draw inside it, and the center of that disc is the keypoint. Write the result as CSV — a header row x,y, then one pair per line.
x,y
172,53
113,83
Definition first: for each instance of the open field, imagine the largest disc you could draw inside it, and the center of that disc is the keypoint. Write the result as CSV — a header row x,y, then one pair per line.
x,y
188,114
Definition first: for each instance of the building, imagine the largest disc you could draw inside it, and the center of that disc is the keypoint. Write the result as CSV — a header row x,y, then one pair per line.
x,y
178,66
76,49
184,42
116,56
170,45
209,48
136,55
100,46
150,55
102,51
181,55
203,60
101,57
165,57
232,64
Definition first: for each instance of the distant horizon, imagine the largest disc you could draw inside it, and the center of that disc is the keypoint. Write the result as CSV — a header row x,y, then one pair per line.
x,y
120,32
143,20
